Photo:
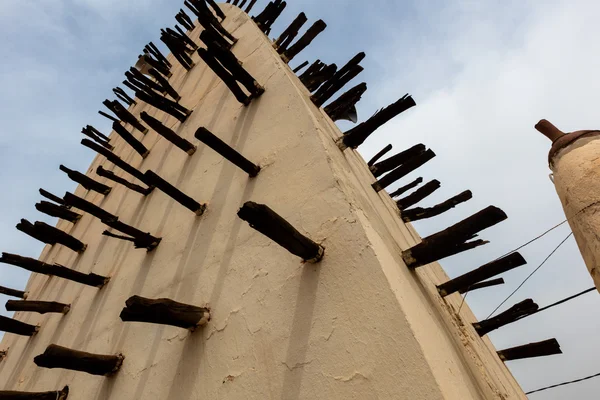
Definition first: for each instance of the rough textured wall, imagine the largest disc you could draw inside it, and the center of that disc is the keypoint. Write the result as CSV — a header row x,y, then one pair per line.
x,y
358,325
576,177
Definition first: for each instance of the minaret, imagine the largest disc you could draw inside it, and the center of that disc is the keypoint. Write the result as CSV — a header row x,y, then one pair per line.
x,y
575,163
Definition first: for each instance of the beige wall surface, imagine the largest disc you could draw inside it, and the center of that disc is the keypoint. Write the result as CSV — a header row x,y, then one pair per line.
x,y
358,325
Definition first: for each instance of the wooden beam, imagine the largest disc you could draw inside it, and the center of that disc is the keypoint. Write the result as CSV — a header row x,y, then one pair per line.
x,y
164,312
126,116
41,307
270,224
96,138
11,325
110,117
230,154
378,156
393,162
304,41
290,33
339,80
418,213
141,239
57,211
518,311
164,83
300,67
165,105
167,133
54,198
453,240
403,170
487,271
113,177
50,235
13,293
131,140
3,354
174,193
482,285
418,195
159,56
88,207
356,136
120,92
54,395
97,133
406,188
86,181
113,158
270,14
531,350
43,268
339,108
250,5
65,358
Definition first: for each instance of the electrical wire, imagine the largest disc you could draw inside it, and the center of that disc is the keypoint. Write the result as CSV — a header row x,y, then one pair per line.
x,y
564,384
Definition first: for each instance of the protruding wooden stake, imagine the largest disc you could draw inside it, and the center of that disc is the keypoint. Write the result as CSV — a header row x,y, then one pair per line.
x,y
300,67
403,170
418,213
165,312
390,163
206,137
124,96
290,33
156,53
131,140
50,235
168,134
304,41
185,20
113,177
164,83
54,198
3,354
89,133
13,293
157,65
40,267
356,136
453,240
124,115
539,349
141,240
270,224
516,312
250,5
86,181
272,11
94,364
174,193
17,327
88,207
339,80
406,188
378,156
482,273
138,242
162,103
340,108
110,117
113,158
41,307
57,211
97,133
418,195
317,74
482,285
55,395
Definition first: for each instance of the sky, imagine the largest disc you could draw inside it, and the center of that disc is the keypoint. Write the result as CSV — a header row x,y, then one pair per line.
x,y
482,73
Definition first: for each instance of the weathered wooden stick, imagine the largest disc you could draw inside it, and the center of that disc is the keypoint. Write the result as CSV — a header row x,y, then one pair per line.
x,y
290,33
41,307
13,293
142,240
138,242
54,198
88,207
184,37
339,108
131,140
250,5
97,132
418,213
482,273
178,49
418,195
3,354
54,395
134,75
357,135
50,235
113,177
184,22
125,115
518,311
165,105
539,349
304,41
206,137
108,116
270,224
94,364
123,99
453,240
120,92
174,193
86,181
43,268
270,14
96,138
165,84
143,86
397,160
333,85
403,170
482,285
406,188
167,133
300,67
159,56
57,211
165,312
315,80
157,65
378,156
113,158
17,327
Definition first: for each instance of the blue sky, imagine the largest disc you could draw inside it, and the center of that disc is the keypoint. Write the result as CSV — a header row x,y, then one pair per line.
x,y
482,73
